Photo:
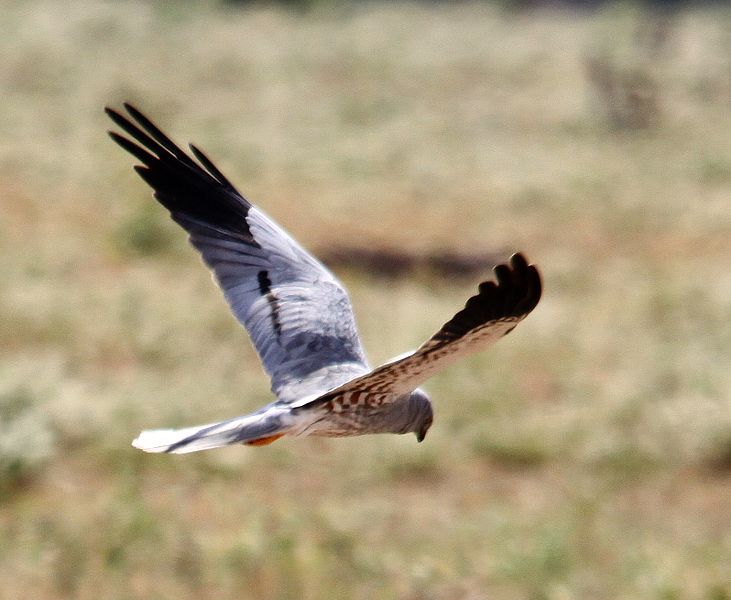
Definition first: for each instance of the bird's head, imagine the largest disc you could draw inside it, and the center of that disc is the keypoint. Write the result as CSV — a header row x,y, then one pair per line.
x,y
421,410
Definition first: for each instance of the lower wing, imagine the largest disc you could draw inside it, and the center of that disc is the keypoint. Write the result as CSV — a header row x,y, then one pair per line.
x,y
488,316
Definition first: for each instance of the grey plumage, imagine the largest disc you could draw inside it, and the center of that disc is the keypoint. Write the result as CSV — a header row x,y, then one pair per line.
x,y
299,316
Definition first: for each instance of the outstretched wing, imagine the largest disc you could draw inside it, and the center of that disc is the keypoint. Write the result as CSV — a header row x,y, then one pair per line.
x,y
488,316
298,315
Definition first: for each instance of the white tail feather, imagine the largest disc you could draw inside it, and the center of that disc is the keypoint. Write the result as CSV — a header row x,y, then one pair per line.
x,y
213,435
159,440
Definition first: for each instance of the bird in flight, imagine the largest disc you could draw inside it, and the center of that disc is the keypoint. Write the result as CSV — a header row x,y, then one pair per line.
x,y
299,315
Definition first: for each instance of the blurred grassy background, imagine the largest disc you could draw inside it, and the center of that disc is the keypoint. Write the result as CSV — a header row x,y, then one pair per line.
x,y
586,456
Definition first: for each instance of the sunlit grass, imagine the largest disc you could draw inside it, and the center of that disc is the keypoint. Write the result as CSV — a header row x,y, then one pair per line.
x,y
585,456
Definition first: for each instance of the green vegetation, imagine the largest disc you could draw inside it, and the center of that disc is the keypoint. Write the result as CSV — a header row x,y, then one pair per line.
x,y
586,456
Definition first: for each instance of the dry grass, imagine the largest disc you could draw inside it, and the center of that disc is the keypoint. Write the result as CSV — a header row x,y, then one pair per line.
x,y
587,456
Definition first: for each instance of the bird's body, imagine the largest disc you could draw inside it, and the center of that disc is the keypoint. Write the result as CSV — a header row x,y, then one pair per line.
x,y
299,316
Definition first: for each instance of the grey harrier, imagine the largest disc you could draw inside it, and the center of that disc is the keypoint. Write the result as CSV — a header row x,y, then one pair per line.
x,y
299,316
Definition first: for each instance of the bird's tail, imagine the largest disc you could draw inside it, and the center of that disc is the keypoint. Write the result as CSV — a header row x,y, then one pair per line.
x,y
256,429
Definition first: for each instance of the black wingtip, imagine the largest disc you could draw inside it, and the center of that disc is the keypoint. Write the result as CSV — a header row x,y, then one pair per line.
x,y
138,152
526,275
133,111
518,261
115,116
514,294
192,192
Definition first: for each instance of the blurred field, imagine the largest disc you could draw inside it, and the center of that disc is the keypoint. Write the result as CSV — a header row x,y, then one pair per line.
x,y
587,456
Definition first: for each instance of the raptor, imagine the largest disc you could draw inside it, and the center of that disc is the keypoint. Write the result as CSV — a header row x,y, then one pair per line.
x,y
299,315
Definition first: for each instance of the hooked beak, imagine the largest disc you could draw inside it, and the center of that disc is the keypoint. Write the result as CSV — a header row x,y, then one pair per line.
x,y
420,435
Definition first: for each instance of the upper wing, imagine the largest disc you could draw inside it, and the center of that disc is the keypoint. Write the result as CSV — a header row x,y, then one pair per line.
x,y
491,314
298,315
